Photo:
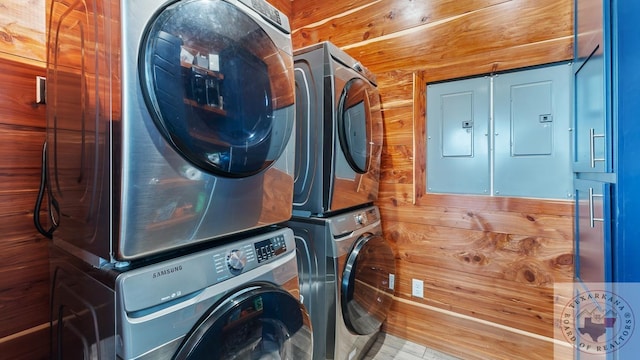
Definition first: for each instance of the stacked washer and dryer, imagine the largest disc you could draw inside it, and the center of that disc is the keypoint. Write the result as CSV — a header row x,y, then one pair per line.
x,y
169,165
346,267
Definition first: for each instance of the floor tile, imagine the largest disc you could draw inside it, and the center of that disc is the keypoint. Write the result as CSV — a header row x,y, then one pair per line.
x,y
389,347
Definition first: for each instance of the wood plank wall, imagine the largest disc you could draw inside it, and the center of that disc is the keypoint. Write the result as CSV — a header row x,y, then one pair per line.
x,y
24,256
24,275
488,263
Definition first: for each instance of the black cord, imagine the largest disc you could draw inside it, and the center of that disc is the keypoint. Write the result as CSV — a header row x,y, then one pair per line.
x,y
53,204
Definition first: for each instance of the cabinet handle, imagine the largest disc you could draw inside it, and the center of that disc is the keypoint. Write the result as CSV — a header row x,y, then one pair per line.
x,y
592,147
592,218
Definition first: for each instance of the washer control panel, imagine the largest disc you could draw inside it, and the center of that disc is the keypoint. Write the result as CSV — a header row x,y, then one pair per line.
x,y
346,223
269,248
155,284
360,218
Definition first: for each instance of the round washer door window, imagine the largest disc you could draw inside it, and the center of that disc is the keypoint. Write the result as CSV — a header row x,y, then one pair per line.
x,y
259,322
354,124
365,293
217,87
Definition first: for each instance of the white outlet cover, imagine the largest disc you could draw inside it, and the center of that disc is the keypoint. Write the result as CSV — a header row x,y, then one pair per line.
x,y
392,281
417,288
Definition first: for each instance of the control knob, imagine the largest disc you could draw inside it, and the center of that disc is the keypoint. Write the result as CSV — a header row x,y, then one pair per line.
x,y
236,260
361,219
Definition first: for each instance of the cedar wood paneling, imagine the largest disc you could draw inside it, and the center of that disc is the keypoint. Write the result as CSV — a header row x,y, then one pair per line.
x,y
24,275
488,263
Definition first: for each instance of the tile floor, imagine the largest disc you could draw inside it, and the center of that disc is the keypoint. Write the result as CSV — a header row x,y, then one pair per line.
x,y
389,347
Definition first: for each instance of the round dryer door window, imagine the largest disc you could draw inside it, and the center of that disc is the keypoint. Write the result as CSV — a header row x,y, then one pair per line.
x,y
260,321
217,87
365,289
354,124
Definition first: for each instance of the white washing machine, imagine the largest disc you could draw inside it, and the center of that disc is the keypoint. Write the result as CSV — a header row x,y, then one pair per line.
x,y
346,271
170,123
339,132
238,300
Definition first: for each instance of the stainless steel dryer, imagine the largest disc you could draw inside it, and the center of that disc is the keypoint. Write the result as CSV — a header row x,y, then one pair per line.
x,y
169,123
346,271
239,300
339,132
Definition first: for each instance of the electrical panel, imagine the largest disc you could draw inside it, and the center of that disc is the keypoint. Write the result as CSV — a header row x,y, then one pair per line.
x,y
506,135
457,142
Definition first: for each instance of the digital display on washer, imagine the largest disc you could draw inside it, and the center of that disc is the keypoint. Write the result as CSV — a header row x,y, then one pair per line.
x,y
269,248
267,10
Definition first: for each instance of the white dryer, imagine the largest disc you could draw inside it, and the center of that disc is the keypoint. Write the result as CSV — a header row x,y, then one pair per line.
x,y
238,300
170,123
346,271
339,132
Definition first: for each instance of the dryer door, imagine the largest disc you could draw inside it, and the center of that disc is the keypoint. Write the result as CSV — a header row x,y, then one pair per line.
x,y
258,321
366,294
356,167
359,124
218,88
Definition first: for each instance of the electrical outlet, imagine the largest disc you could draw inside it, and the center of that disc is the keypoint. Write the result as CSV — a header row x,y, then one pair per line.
x,y
392,281
417,288
41,90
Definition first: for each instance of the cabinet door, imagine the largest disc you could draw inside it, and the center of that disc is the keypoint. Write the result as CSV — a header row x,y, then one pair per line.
x,y
592,143
592,117
593,246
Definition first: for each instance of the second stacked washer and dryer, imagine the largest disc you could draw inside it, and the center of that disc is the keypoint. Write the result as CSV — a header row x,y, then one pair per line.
x,y
345,266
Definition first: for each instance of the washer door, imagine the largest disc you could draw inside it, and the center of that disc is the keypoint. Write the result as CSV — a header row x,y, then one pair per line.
x,y
365,293
217,87
355,124
258,321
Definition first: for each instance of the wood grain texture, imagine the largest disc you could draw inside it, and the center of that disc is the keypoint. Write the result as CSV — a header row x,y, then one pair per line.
x,y
372,19
22,28
24,277
467,338
395,89
32,344
396,164
488,263
466,39
461,268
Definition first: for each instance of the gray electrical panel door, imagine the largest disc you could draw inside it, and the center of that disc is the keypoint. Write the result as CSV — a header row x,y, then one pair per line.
x,y
532,137
507,134
457,141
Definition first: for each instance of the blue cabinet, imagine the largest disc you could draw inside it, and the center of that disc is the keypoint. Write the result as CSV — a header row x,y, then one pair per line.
x,y
592,209
607,175
592,131
607,140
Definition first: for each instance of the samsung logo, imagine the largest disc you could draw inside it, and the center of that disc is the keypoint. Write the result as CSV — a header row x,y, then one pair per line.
x,y
167,271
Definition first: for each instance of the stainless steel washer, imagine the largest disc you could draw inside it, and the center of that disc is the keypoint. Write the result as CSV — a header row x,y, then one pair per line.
x,y
239,300
346,280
